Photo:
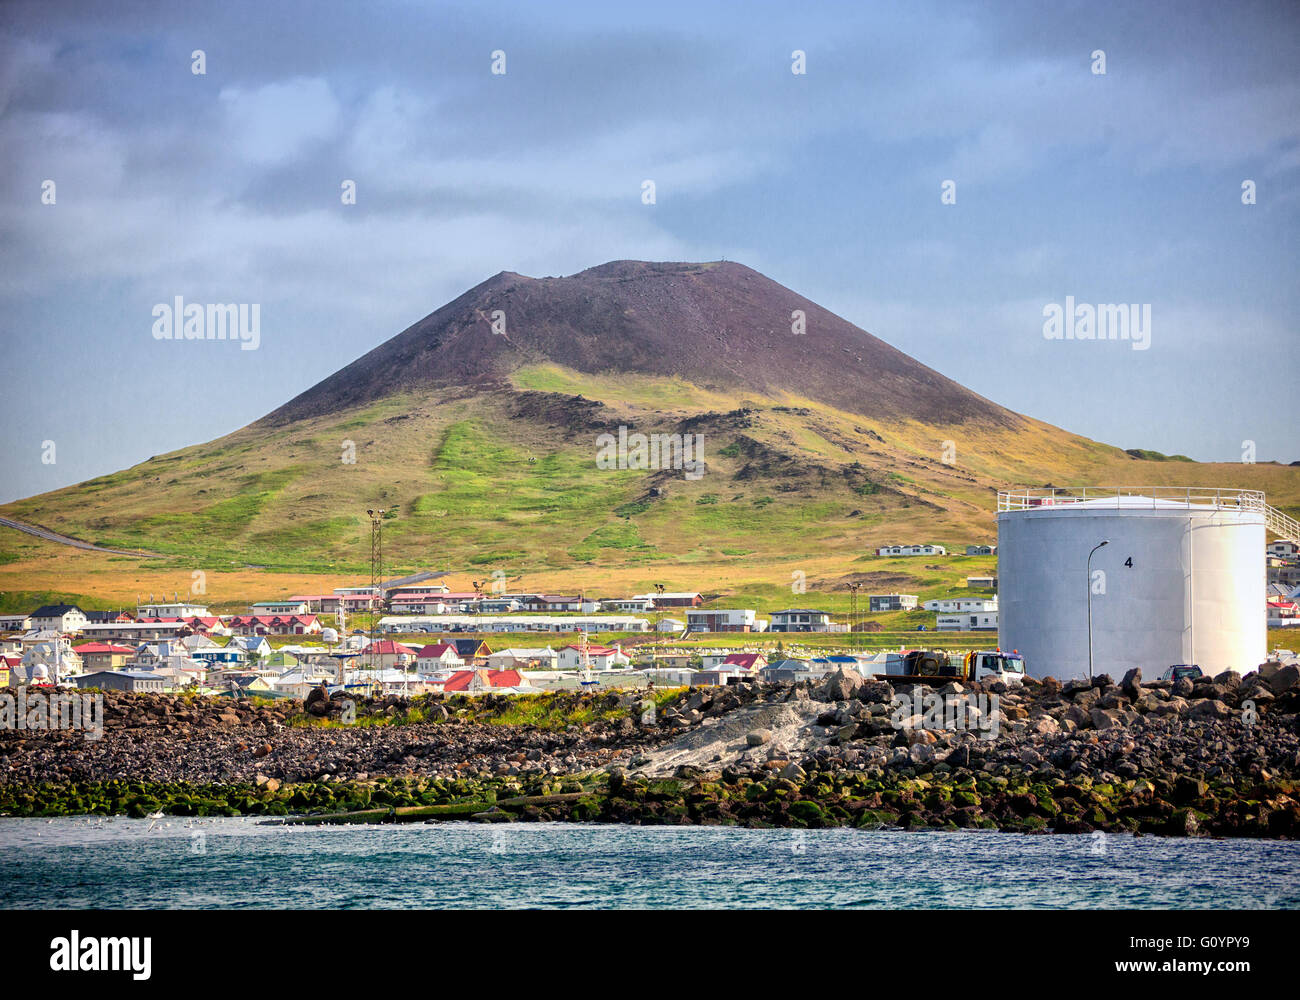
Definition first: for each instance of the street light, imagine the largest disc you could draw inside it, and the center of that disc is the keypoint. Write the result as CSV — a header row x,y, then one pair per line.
x,y
1094,549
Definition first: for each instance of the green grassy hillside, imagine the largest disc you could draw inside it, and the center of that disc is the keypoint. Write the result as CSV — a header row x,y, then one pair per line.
x,y
506,480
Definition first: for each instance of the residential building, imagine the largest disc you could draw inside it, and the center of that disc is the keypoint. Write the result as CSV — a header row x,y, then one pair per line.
x,y
274,624
800,620
254,646
539,658
219,658
210,624
721,620
670,625
292,606
420,604
645,603
135,632
103,655
54,654
1284,549
956,605
745,661
481,680
671,661
793,671
981,550
59,617
982,582
474,652
552,603
136,681
1283,614
911,550
438,656
15,623
175,609
891,602
598,658
388,655
514,623
984,622
672,599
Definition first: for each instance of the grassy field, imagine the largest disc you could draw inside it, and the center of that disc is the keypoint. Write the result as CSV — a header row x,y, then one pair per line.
x,y
795,499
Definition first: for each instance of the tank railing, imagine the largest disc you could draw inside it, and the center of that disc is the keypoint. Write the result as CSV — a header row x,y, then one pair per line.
x,y
1123,496
1282,525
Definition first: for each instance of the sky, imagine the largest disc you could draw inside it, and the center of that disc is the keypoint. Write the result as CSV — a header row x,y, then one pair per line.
x,y
226,186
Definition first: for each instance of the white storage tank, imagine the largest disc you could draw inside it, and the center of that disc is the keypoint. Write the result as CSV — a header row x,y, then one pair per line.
x,y
1181,580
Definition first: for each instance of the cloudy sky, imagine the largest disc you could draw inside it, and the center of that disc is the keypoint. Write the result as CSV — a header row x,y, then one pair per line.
x,y
1122,186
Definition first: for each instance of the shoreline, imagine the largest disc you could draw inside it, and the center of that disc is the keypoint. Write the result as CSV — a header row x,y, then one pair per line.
x,y
862,800
1217,758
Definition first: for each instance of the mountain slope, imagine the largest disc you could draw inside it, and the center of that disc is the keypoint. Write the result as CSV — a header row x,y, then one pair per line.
x,y
721,326
483,448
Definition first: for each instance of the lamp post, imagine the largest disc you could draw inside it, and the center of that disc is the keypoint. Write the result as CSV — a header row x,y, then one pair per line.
x,y
1094,549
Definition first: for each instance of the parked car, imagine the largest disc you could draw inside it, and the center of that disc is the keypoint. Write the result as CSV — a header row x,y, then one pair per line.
x,y
1180,670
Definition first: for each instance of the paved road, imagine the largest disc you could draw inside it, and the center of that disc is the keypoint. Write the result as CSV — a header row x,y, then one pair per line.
x,y
54,536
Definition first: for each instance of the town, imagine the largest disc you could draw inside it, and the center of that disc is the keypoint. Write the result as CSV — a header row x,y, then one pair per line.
x,y
414,635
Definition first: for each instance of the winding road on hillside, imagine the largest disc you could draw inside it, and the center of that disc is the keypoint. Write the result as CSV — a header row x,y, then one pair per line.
x,y
76,543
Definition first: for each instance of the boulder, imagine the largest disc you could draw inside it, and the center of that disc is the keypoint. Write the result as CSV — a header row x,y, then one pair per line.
x,y
842,685
1210,708
758,737
1284,679
1132,683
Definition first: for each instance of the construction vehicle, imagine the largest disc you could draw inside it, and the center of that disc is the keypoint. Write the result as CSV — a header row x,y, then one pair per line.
x,y
938,666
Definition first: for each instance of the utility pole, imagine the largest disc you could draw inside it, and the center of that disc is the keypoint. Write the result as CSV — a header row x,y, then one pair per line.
x,y
376,579
853,612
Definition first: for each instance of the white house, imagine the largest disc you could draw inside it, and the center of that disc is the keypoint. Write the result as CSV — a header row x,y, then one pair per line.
x,y
48,654
911,550
293,606
15,623
177,609
892,602
253,645
515,623
670,625
800,620
957,605
543,658
722,620
60,618
437,656
645,603
598,657
986,622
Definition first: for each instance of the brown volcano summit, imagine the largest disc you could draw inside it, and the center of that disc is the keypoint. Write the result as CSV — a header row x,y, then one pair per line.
x,y
718,325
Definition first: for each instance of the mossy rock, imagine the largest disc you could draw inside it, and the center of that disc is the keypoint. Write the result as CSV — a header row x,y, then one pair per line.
x,y
808,812
875,819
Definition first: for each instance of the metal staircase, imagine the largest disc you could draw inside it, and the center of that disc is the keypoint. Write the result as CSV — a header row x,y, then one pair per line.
x,y
1285,527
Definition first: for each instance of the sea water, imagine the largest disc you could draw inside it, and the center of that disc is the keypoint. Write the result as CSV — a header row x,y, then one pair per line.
x,y
223,862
